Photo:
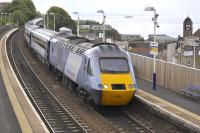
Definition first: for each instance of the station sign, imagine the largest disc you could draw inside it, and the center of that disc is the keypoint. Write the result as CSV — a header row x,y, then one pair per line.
x,y
188,53
100,35
154,48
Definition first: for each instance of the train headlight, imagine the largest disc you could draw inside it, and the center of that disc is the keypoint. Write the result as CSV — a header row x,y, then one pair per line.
x,y
105,86
100,86
130,86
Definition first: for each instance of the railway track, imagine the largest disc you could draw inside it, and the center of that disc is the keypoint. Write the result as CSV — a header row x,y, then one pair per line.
x,y
53,113
139,127
124,122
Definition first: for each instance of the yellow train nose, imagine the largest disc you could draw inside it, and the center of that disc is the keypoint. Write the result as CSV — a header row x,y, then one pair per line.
x,y
119,97
120,90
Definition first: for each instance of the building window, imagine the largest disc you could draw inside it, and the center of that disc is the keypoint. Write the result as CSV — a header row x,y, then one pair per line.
x,y
189,62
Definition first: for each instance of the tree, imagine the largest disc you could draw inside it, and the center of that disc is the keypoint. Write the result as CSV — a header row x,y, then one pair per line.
x,y
38,14
89,22
63,19
19,16
114,34
22,10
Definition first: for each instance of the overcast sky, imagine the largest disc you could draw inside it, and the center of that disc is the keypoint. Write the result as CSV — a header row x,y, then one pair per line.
x,y
171,13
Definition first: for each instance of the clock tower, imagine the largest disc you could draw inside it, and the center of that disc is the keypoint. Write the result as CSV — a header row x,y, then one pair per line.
x,y
187,27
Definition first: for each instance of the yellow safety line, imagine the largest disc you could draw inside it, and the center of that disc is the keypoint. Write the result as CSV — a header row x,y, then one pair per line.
x,y
21,117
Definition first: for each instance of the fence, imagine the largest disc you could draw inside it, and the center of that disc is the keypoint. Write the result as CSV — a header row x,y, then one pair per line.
x,y
172,76
4,28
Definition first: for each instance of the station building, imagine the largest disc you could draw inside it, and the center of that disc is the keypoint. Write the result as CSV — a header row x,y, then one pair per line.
x,y
188,46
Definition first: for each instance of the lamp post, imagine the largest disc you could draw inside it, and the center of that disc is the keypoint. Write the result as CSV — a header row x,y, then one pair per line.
x,y
103,23
47,20
1,19
194,54
44,21
54,20
9,18
154,19
77,22
128,17
5,17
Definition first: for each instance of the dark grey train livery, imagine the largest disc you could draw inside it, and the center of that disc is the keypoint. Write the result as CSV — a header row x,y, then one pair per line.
x,y
103,72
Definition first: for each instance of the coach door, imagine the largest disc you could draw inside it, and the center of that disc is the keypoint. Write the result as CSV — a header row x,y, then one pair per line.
x,y
85,81
59,57
88,73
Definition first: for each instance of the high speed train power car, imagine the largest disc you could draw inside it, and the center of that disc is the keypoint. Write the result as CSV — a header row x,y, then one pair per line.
x,y
102,72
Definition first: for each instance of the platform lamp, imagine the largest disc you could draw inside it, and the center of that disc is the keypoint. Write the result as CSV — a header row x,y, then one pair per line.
x,y
1,19
5,17
154,19
47,20
103,23
9,19
128,17
78,19
54,20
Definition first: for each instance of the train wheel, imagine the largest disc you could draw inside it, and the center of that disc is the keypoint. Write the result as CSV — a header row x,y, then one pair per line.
x,y
58,75
49,67
71,86
82,93
65,81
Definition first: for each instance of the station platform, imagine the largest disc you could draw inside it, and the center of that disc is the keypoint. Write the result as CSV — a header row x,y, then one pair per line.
x,y
16,111
171,105
8,121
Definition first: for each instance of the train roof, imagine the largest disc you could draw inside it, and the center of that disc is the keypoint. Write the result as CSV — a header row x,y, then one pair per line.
x,y
107,50
35,21
77,44
45,32
31,26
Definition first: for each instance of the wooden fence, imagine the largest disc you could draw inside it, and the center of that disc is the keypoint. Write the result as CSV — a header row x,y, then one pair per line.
x,y
172,76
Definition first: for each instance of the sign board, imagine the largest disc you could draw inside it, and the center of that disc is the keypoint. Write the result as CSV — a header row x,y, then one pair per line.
x,y
100,35
154,48
188,53
199,52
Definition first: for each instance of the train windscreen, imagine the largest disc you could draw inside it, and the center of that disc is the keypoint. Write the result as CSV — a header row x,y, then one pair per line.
x,y
113,65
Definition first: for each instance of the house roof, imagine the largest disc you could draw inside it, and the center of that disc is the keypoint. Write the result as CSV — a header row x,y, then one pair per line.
x,y
197,33
188,20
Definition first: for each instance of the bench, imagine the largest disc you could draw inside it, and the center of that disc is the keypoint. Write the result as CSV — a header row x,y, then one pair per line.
x,y
193,92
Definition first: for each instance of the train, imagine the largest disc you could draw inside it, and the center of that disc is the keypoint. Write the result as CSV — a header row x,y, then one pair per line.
x,y
100,72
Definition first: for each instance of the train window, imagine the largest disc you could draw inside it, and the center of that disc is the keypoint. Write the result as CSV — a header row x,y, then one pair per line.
x,y
89,68
40,42
113,65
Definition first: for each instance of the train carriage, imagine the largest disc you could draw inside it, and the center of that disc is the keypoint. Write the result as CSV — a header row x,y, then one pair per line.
x,y
29,27
102,72
40,39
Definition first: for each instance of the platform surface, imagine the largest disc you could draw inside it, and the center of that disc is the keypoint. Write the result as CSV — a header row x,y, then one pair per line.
x,y
8,121
170,96
27,117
